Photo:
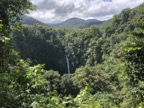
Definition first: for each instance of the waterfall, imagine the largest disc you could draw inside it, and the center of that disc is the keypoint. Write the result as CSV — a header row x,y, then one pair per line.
x,y
68,65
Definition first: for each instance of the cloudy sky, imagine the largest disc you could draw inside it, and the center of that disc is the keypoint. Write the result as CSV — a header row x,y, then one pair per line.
x,y
54,11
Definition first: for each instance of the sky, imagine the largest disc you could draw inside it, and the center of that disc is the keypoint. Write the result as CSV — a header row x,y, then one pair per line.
x,y
55,11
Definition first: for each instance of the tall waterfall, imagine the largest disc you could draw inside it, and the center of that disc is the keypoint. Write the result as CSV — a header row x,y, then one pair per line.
x,y
68,65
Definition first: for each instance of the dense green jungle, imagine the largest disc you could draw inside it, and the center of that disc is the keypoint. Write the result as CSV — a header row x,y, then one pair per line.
x,y
97,66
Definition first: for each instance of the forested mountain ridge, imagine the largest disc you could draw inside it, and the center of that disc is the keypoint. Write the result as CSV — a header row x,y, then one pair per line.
x,y
107,63
70,23
78,23
87,46
29,20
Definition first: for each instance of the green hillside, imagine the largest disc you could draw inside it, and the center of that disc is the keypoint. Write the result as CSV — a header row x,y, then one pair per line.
x,y
78,23
106,62
29,20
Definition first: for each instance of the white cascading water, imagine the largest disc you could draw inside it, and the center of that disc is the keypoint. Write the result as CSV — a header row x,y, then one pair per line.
x,y
68,65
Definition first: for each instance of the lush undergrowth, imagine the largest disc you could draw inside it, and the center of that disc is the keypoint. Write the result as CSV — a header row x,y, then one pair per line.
x,y
106,62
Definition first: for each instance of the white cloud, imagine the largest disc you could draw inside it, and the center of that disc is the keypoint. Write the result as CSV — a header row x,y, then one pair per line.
x,y
52,11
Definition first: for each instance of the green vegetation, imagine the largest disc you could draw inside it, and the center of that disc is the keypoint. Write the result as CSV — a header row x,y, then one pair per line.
x,y
29,20
107,62
77,23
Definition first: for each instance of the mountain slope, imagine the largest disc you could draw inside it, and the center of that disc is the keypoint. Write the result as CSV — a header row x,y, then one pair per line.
x,y
78,23
29,20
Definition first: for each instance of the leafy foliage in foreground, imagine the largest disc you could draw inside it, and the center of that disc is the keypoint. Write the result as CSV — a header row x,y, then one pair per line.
x,y
108,64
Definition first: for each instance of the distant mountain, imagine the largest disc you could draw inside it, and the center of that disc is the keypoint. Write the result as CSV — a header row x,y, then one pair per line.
x,y
29,20
90,22
77,22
